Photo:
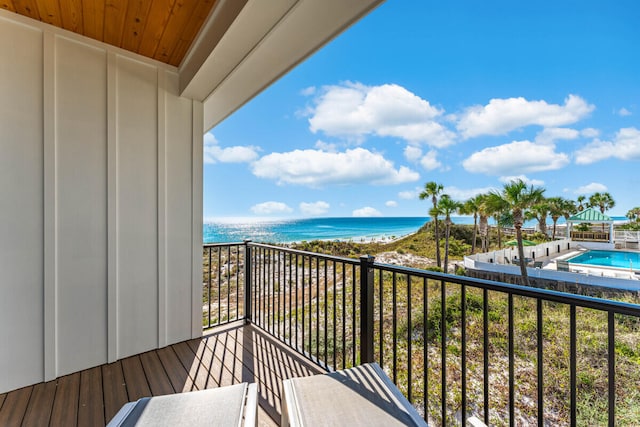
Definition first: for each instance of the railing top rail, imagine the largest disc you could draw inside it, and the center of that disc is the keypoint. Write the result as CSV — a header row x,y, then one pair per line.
x,y
545,294
313,254
225,244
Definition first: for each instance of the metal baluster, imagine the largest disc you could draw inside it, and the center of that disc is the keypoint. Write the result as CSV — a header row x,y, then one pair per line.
x,y
611,360
485,338
303,302
425,338
219,286
354,321
381,319
297,285
228,283
335,291
310,305
209,290
279,292
317,308
409,352
511,363
344,316
326,361
394,305
540,339
443,350
572,361
463,361
289,312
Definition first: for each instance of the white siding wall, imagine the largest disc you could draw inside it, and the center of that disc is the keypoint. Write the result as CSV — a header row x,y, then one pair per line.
x,y
21,207
100,171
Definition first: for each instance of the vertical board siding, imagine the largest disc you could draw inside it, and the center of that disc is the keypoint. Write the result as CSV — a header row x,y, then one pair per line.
x,y
137,214
21,206
81,205
179,170
80,136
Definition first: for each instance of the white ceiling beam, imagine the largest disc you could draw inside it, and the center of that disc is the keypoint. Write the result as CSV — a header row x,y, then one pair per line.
x,y
265,40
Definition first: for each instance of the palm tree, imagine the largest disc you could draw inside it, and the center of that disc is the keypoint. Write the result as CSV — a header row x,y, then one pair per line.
x,y
471,207
499,210
446,206
556,210
520,198
539,212
569,208
580,199
634,214
432,189
483,227
603,201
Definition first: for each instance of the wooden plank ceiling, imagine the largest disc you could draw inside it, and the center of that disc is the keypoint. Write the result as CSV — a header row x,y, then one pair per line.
x,y
158,29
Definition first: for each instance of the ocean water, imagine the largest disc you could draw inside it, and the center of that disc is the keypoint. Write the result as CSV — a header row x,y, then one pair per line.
x,y
296,230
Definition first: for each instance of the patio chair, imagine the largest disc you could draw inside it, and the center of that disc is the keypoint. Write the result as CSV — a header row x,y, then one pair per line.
x,y
234,405
358,396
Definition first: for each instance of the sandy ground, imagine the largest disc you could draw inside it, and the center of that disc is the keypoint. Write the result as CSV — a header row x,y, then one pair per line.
x,y
408,260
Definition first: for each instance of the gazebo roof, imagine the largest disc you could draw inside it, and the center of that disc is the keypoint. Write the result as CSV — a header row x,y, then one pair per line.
x,y
590,215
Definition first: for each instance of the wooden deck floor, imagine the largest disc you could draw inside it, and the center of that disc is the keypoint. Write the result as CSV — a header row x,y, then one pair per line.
x,y
228,355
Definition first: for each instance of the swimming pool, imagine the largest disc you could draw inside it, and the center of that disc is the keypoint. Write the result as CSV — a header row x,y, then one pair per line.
x,y
617,259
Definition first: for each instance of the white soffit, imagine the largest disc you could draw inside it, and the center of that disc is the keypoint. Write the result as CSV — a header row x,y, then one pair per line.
x,y
266,39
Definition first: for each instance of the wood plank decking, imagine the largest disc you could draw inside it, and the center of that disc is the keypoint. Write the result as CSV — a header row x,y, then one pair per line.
x,y
228,355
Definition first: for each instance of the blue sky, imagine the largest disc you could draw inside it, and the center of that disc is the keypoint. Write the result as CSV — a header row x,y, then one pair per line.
x,y
469,94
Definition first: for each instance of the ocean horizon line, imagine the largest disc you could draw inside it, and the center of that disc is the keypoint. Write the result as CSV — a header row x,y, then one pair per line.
x,y
233,219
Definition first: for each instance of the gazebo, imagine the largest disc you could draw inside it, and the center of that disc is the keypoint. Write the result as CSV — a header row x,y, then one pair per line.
x,y
590,216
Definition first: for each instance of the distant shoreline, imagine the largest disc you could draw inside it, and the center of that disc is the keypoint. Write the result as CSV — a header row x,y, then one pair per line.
x,y
345,229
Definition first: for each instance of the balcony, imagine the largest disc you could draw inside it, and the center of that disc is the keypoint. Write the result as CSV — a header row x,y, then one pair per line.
x,y
231,354
456,347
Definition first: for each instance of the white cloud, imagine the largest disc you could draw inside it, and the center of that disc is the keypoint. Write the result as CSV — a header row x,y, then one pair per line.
x,y
624,112
463,194
592,187
326,146
213,153
430,161
515,158
269,208
412,153
314,209
501,116
410,194
317,168
528,181
590,133
308,91
550,135
367,211
391,203
354,110
625,146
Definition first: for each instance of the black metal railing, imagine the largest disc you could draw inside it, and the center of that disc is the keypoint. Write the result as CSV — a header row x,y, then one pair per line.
x,y
223,283
455,346
308,301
